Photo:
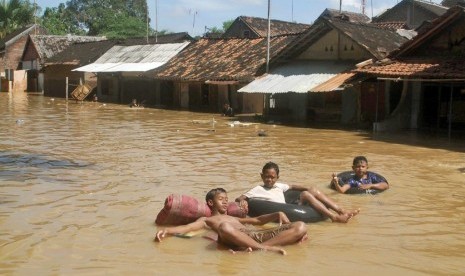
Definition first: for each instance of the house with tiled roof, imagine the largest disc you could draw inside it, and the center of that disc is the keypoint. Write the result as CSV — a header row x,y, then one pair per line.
x,y
39,48
256,27
60,66
209,72
306,78
11,51
411,12
425,78
345,15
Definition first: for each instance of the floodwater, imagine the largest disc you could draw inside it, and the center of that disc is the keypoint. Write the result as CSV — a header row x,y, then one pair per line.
x,y
81,185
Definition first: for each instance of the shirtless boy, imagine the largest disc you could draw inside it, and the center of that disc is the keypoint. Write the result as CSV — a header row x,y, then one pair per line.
x,y
271,190
233,233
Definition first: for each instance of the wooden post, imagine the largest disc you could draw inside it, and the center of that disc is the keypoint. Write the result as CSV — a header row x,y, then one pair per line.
x,y
66,89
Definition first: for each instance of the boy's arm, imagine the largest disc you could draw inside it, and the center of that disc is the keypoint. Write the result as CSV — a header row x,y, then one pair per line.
x,y
260,220
182,229
241,198
341,189
378,186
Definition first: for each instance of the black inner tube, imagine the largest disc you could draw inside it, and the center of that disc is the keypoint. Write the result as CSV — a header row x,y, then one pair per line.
x,y
293,211
344,176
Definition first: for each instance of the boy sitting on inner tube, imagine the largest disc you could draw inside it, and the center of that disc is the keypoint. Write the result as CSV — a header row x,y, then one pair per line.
x,y
274,191
362,179
233,233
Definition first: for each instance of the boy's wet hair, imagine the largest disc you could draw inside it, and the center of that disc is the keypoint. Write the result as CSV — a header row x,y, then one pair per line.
x,y
211,194
359,159
271,165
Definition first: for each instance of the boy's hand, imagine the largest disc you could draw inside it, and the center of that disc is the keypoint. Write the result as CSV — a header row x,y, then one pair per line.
x,y
365,186
160,235
283,219
335,180
244,205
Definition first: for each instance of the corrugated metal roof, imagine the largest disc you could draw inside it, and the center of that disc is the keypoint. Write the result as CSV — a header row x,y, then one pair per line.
x,y
137,58
297,77
332,84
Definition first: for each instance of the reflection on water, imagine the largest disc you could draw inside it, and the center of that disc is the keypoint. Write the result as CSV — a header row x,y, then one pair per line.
x,y
81,184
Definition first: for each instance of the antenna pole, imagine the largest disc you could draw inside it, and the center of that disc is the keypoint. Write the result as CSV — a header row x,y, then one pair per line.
x,y
156,21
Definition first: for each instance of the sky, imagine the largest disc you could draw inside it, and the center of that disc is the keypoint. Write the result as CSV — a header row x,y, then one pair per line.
x,y
196,16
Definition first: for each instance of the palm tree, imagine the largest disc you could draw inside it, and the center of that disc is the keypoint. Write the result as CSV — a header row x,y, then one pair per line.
x,y
15,14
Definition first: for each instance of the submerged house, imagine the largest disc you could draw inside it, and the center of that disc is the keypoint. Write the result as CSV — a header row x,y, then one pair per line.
x,y
209,72
11,51
424,80
58,70
120,72
39,48
61,66
306,79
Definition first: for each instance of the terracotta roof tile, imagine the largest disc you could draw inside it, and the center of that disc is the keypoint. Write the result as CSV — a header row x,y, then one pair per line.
x,y
222,59
391,25
418,68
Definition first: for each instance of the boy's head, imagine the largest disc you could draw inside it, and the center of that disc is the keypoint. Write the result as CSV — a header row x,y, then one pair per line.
x,y
217,200
270,174
360,165
359,159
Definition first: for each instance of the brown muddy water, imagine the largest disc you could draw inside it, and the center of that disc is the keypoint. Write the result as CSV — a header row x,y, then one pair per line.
x,y
81,185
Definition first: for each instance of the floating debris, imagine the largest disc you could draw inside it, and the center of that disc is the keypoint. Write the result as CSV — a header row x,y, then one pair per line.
x,y
262,133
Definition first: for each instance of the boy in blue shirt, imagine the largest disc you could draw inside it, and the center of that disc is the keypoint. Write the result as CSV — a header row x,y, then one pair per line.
x,y
362,179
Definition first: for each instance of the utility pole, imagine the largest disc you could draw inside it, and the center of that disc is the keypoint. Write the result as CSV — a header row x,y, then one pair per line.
x,y
268,39
147,18
35,17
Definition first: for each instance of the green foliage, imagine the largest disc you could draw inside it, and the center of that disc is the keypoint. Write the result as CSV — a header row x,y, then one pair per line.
x,y
59,21
97,15
227,24
124,26
216,30
15,14
112,18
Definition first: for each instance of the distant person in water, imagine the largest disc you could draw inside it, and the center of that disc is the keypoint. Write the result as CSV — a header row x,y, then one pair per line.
x,y
272,190
134,103
227,110
233,232
95,98
362,179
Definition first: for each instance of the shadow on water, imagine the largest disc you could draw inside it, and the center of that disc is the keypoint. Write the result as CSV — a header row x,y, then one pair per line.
x,y
21,160
435,139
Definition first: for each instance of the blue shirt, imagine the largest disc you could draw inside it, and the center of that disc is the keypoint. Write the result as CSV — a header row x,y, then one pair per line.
x,y
372,178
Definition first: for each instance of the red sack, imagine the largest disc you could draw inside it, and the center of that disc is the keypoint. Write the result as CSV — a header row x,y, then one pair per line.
x,y
182,209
